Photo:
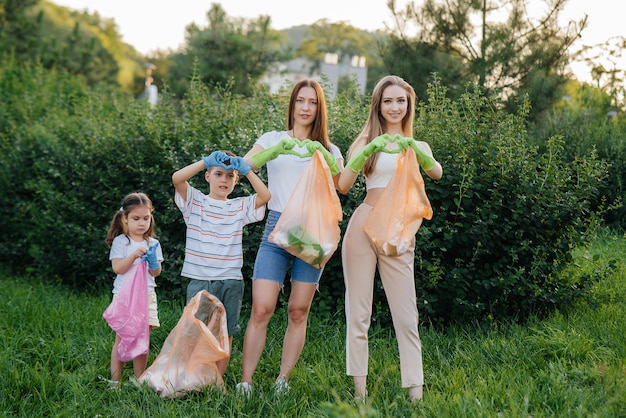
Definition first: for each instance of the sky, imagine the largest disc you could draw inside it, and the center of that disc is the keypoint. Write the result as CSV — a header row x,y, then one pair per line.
x,y
149,25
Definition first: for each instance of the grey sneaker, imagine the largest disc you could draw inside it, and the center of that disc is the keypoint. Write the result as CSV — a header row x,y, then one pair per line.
x,y
244,388
281,387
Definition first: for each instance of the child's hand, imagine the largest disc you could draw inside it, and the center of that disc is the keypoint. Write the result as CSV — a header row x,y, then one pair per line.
x,y
151,257
239,164
139,252
216,158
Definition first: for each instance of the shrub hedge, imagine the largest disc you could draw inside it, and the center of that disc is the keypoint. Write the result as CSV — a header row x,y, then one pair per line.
x,y
506,215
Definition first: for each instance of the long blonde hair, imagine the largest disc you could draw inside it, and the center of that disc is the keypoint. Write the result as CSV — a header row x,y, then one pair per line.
x,y
376,124
130,202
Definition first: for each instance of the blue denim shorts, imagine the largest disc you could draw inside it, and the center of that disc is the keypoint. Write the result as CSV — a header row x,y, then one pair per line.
x,y
273,262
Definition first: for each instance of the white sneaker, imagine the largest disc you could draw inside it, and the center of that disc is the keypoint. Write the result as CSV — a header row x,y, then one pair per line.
x,y
244,388
133,381
281,387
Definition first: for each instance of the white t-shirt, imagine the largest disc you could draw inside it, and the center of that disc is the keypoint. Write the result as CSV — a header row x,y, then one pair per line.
x,y
213,248
121,247
284,171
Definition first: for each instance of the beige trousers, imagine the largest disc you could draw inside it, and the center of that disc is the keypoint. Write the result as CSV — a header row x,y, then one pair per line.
x,y
360,259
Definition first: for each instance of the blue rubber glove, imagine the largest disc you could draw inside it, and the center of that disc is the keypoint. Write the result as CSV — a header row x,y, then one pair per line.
x,y
313,146
239,164
151,257
217,158
423,159
377,145
272,152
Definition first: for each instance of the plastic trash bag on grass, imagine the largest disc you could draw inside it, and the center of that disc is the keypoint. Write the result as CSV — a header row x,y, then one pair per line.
x,y
188,359
127,315
308,228
401,208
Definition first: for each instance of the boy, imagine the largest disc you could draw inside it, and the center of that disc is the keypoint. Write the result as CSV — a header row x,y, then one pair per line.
x,y
213,249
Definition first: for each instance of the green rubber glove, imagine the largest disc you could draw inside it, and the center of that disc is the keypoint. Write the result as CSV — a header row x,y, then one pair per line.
x,y
313,146
424,160
358,160
285,144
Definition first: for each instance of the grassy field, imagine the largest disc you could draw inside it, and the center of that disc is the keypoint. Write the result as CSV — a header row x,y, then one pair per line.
x,y
55,354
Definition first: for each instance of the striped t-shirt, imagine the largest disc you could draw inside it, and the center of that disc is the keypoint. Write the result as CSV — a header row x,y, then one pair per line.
x,y
213,249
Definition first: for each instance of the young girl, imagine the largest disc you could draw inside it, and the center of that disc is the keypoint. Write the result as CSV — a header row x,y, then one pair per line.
x,y
130,236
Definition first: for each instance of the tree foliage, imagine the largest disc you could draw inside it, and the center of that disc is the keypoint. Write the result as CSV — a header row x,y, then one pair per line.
x,y
506,214
470,41
34,31
587,120
604,61
346,41
338,38
19,28
228,48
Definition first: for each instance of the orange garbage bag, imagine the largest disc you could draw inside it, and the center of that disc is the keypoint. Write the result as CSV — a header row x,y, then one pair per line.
x,y
401,208
308,227
188,358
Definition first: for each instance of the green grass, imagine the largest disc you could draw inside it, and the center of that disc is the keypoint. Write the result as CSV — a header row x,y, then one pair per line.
x,y
55,350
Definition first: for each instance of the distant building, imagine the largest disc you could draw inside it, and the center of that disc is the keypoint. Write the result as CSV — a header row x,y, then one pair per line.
x,y
288,73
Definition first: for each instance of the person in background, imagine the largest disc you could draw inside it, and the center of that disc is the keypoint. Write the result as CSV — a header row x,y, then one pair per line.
x,y
306,119
131,240
213,249
392,112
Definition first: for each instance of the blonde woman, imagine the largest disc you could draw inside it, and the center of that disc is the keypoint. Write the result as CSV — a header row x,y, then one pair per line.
x,y
392,112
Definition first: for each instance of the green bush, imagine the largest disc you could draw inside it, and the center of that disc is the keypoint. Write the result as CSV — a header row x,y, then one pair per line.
x,y
506,216
585,133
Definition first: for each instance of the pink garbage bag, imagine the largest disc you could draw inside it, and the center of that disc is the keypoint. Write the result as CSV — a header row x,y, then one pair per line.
x,y
127,315
188,359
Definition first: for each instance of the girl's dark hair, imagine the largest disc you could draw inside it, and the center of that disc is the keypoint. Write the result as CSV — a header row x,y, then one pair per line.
x,y
319,131
118,227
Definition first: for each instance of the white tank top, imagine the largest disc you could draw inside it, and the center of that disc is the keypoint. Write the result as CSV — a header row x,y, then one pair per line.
x,y
383,171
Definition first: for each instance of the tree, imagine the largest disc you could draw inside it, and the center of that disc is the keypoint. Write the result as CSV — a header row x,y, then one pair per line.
x,y
603,61
346,41
418,61
228,48
338,38
19,27
40,32
469,40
